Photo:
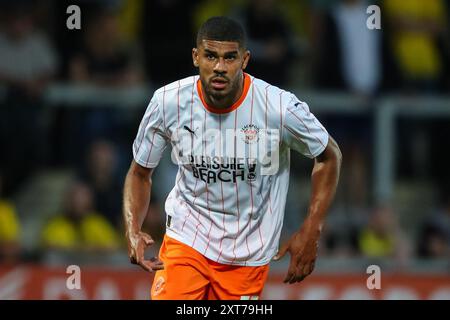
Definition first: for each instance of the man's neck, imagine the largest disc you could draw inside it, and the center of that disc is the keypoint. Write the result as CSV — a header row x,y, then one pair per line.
x,y
229,100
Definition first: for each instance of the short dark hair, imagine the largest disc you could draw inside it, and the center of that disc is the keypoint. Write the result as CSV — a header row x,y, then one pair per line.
x,y
222,29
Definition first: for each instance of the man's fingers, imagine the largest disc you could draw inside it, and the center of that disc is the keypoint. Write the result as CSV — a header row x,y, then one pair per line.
x,y
147,239
146,266
302,271
289,277
297,273
155,260
298,270
298,278
291,272
282,251
133,256
151,266
156,263
156,267
137,252
139,255
308,269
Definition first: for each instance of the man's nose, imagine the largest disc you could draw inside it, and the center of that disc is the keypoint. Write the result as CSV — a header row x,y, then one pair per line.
x,y
220,66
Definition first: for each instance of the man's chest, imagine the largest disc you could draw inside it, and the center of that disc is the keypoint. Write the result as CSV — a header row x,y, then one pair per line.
x,y
246,138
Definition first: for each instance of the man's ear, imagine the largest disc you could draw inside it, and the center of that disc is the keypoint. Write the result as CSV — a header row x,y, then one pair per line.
x,y
246,59
195,56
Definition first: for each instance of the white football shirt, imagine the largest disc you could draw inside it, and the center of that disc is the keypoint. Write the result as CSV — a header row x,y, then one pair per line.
x,y
230,191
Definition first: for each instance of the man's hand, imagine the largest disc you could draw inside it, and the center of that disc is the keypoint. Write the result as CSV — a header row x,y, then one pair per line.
x,y
137,243
302,247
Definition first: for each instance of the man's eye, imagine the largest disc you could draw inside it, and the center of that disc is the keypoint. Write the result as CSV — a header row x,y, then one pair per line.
x,y
210,57
231,58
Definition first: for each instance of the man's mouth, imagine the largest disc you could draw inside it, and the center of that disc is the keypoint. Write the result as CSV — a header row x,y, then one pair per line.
x,y
219,83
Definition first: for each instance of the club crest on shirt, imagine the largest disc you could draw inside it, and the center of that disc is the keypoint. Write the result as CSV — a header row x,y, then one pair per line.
x,y
159,285
250,133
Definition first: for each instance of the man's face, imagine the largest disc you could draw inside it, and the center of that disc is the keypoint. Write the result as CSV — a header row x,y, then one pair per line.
x,y
220,66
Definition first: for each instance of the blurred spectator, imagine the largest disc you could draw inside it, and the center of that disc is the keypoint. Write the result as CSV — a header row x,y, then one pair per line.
x,y
9,231
270,41
348,56
80,226
131,18
434,237
433,242
105,60
416,30
27,60
445,45
382,237
355,179
101,173
341,234
206,9
27,64
69,42
348,53
168,39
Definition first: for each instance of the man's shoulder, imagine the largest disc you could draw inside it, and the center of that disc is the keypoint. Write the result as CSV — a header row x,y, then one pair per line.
x,y
176,86
271,90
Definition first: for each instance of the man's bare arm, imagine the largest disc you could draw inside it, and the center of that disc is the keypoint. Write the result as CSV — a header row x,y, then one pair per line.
x,y
304,243
325,177
136,199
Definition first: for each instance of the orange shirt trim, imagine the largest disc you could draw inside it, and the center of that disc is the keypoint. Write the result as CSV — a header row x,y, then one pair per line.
x,y
232,107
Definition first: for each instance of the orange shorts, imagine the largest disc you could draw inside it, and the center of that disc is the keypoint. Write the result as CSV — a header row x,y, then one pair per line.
x,y
188,275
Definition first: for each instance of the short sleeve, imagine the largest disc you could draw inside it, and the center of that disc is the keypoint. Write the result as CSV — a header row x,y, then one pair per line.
x,y
302,131
151,139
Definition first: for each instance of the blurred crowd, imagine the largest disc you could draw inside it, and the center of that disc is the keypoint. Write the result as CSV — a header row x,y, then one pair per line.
x,y
303,44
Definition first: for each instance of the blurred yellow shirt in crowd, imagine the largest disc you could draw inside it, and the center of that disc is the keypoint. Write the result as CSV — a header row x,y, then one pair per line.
x,y
207,9
9,223
92,232
373,245
130,18
415,50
